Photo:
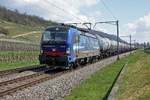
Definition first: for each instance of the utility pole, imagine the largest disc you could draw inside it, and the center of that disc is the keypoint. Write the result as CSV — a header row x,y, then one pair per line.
x,y
117,25
117,22
130,41
130,44
134,44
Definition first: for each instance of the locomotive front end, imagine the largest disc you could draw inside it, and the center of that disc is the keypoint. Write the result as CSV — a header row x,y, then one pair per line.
x,y
54,47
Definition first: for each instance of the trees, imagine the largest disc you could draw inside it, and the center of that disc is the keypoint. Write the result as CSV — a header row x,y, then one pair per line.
x,y
22,18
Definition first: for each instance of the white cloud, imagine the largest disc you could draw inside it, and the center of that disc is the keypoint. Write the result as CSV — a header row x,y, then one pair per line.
x,y
140,28
57,10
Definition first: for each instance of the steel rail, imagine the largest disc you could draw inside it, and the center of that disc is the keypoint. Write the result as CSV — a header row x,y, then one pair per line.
x,y
21,79
16,70
12,90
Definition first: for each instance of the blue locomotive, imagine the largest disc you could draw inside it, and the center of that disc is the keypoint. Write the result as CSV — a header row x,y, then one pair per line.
x,y
66,46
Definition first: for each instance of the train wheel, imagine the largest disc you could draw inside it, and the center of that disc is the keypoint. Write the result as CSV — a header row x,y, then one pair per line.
x,y
76,64
71,66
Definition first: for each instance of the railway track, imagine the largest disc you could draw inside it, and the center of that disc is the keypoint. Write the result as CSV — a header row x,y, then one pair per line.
x,y
11,86
18,70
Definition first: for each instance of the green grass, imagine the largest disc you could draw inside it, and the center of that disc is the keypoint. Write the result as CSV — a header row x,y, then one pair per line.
x,y
13,59
34,38
11,65
135,84
17,53
98,84
17,29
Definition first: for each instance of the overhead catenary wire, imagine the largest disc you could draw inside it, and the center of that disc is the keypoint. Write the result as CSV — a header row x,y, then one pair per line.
x,y
107,8
65,11
73,15
80,11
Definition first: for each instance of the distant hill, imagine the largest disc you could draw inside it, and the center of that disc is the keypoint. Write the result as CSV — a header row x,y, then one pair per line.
x,y
13,24
24,19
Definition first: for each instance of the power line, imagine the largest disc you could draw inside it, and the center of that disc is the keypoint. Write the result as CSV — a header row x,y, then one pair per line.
x,y
80,10
107,8
63,10
54,13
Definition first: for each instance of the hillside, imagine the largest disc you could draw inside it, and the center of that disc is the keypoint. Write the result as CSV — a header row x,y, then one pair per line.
x,y
21,26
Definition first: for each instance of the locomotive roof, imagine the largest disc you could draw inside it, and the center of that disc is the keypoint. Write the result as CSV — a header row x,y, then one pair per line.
x,y
102,34
106,35
54,28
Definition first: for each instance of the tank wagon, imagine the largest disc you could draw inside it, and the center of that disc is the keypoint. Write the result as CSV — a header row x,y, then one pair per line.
x,y
67,46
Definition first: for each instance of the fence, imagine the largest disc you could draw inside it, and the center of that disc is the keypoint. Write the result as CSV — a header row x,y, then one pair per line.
x,y
13,51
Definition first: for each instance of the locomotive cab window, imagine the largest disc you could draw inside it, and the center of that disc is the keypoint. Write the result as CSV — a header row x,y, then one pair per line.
x,y
54,36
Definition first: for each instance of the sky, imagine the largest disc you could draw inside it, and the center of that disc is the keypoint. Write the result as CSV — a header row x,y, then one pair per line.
x,y
133,15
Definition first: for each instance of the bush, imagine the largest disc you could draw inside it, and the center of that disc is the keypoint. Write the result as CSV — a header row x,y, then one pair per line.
x,y
147,50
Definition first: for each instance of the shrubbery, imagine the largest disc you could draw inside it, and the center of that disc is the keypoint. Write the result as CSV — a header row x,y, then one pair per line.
x,y
22,18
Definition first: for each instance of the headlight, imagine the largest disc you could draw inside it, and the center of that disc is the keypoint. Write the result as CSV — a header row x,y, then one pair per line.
x,y
41,51
68,50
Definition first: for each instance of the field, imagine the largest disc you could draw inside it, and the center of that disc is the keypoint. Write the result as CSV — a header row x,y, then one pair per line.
x,y
135,84
136,80
14,54
18,29
13,59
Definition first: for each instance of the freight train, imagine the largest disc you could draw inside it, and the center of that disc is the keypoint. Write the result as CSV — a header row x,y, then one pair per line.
x,y
67,46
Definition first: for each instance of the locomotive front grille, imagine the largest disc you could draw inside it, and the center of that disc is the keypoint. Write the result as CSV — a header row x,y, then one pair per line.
x,y
56,60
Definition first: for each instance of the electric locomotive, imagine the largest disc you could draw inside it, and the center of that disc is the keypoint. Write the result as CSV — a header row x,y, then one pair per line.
x,y
66,47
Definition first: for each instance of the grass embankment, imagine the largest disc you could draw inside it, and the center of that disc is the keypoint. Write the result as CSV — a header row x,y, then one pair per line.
x,y
18,29
13,59
135,84
98,84
11,65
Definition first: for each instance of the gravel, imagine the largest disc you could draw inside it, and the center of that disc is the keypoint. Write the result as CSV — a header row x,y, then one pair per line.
x,y
60,86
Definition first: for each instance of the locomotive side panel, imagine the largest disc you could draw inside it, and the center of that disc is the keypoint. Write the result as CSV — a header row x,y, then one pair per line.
x,y
86,45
